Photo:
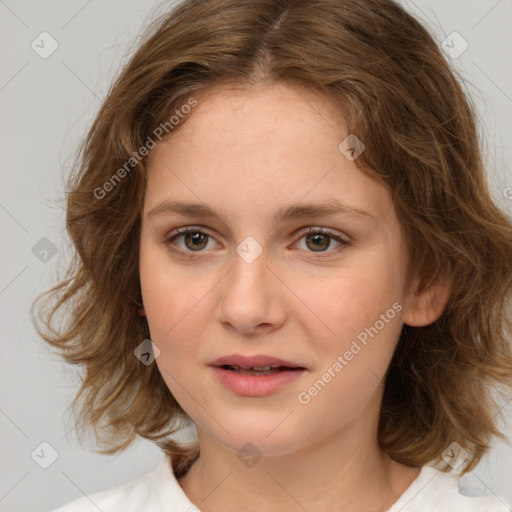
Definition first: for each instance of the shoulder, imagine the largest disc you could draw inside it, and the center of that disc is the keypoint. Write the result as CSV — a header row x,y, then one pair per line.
x,y
436,491
157,491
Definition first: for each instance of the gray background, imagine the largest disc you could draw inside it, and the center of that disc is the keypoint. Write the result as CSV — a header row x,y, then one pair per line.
x,y
46,106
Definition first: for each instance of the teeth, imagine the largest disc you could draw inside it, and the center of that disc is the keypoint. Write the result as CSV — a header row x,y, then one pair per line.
x,y
255,368
250,371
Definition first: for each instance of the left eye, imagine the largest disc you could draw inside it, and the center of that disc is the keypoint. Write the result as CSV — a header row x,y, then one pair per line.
x,y
320,239
196,240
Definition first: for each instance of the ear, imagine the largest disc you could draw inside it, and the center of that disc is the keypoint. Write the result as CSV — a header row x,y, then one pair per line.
x,y
425,304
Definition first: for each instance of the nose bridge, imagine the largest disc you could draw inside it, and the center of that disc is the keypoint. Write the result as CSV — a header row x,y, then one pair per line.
x,y
249,274
249,296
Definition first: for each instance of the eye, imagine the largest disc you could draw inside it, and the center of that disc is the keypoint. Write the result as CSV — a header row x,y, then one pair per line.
x,y
317,240
195,239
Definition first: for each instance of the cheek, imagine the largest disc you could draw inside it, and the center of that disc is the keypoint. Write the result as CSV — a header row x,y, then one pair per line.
x,y
169,305
170,297
350,300
172,305
365,317
360,310
176,323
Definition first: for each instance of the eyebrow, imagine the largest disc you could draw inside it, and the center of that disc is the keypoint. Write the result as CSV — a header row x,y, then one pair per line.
x,y
329,208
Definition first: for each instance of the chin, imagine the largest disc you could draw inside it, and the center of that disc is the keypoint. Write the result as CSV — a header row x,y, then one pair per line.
x,y
263,439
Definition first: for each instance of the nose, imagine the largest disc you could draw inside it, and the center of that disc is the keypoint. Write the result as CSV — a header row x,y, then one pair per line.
x,y
252,297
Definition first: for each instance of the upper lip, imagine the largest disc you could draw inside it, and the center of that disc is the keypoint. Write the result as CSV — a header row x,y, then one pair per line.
x,y
250,361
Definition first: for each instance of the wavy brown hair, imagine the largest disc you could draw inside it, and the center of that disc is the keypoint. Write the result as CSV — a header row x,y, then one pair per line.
x,y
384,71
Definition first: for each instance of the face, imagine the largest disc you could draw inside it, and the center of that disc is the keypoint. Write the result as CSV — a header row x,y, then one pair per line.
x,y
321,291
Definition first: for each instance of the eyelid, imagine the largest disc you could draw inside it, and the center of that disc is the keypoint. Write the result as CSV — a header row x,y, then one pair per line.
x,y
188,229
324,231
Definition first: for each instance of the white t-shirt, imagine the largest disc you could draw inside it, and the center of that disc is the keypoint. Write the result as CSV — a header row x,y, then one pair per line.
x,y
159,491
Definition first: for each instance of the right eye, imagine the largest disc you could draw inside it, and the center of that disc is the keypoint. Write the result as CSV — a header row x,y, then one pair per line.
x,y
193,238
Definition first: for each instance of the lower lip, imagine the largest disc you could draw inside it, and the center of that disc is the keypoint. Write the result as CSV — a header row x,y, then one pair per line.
x,y
256,385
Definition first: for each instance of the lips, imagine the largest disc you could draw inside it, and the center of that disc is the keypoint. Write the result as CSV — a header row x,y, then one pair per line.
x,y
263,363
256,376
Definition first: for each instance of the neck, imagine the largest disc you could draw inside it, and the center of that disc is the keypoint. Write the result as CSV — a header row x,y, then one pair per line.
x,y
343,472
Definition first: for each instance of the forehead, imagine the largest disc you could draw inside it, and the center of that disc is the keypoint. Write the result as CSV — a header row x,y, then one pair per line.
x,y
264,145
254,113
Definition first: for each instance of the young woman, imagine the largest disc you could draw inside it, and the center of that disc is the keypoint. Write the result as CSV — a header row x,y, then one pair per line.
x,y
283,233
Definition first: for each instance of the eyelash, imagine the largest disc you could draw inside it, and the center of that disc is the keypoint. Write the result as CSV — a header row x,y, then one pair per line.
x,y
321,231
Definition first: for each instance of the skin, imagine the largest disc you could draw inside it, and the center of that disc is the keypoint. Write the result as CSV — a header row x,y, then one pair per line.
x,y
245,153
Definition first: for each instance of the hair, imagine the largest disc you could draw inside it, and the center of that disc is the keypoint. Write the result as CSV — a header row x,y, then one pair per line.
x,y
399,95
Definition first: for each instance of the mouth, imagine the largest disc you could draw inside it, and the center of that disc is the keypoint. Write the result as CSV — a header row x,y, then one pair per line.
x,y
259,370
256,376
260,364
